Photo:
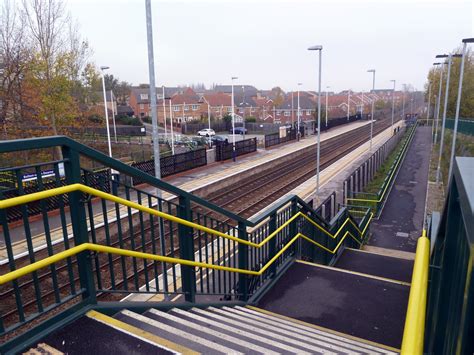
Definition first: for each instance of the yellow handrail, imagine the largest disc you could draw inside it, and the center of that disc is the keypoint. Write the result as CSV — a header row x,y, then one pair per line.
x,y
25,270
102,248
413,333
14,201
386,186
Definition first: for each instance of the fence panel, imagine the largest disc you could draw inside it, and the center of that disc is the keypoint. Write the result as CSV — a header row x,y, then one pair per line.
x,y
224,150
173,164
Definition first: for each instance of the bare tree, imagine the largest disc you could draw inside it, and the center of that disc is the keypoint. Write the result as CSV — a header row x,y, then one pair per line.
x,y
14,56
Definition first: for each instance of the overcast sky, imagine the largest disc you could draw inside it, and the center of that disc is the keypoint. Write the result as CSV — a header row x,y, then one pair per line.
x,y
265,42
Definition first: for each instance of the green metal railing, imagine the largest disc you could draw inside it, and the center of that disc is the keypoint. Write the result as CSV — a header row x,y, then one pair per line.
x,y
91,279
375,201
450,312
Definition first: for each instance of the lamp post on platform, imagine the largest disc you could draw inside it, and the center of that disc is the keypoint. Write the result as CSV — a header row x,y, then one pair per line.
x,y
465,41
439,100
443,124
327,88
102,69
298,113
373,104
320,49
233,121
393,101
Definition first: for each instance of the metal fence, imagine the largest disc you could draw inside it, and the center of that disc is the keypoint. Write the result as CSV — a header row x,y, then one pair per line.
x,y
275,139
173,164
464,126
224,150
18,187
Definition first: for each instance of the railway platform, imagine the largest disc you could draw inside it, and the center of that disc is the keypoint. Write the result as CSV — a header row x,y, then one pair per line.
x,y
402,218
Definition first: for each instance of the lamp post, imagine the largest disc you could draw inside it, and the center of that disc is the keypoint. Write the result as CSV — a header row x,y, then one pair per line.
x,y
429,103
439,101
102,69
465,41
243,110
164,111
320,49
113,114
403,101
233,120
298,113
446,92
327,87
393,101
348,104
373,104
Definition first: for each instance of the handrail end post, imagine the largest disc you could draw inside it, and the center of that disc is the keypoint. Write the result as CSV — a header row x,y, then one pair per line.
x,y
243,262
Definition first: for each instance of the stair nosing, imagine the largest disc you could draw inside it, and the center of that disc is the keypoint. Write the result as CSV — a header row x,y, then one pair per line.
x,y
333,268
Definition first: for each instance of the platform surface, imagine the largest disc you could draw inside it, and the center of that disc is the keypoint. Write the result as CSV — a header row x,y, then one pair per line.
x,y
401,222
356,305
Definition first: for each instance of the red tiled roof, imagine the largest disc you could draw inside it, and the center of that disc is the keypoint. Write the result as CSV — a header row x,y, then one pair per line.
x,y
217,99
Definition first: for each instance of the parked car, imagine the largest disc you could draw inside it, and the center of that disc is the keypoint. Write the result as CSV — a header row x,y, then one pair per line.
x,y
219,139
206,132
239,130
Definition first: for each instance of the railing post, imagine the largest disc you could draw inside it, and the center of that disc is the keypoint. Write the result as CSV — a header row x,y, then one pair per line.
x,y
272,243
243,262
294,226
186,250
72,170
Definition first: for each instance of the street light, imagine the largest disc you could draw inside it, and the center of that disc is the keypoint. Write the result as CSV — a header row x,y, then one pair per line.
x,y
327,87
465,41
298,112
439,101
320,49
429,104
233,121
393,101
348,104
102,68
441,144
373,103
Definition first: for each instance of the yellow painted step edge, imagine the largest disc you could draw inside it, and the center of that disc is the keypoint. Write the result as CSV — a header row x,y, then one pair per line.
x,y
139,333
335,332
403,283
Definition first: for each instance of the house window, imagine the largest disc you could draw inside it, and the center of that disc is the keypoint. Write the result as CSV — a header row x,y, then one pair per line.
x,y
175,108
186,108
278,113
287,113
229,109
144,96
195,107
241,111
142,106
308,112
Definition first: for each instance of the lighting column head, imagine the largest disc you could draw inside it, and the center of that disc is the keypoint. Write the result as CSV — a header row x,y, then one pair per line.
x,y
315,48
371,71
299,84
468,40
234,78
104,67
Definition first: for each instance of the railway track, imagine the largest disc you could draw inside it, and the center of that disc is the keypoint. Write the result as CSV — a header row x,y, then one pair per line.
x,y
246,199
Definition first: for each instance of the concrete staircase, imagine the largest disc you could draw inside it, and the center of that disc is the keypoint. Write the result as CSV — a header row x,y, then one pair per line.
x,y
244,330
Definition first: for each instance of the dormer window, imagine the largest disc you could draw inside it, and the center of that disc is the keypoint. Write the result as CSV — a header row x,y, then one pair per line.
x,y
144,96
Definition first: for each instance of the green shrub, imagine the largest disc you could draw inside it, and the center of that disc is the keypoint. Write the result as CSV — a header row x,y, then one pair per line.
x,y
126,120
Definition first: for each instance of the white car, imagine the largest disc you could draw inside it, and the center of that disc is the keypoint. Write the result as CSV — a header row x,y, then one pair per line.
x,y
206,132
